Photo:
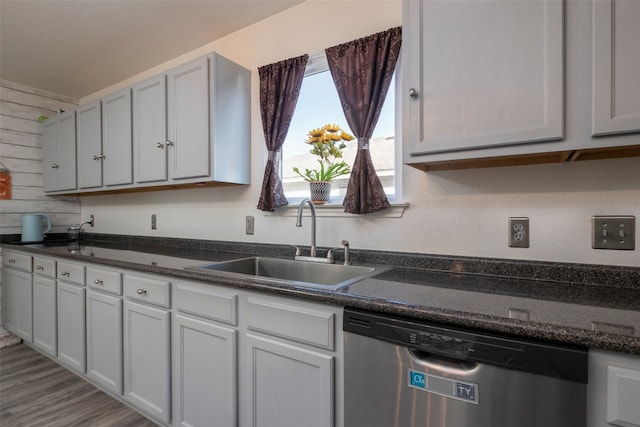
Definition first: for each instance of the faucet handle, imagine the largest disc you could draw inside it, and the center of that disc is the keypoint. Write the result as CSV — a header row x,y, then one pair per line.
x,y
298,251
330,258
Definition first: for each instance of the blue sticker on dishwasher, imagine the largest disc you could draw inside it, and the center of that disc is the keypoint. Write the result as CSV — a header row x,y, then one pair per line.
x,y
417,379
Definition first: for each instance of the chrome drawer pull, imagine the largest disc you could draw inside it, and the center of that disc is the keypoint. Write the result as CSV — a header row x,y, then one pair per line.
x,y
64,273
141,291
39,267
98,282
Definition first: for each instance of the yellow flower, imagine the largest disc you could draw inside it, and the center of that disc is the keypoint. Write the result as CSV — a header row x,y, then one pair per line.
x,y
346,137
316,133
331,128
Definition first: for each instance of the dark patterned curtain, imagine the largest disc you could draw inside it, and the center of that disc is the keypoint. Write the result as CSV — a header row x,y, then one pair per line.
x,y
279,89
362,71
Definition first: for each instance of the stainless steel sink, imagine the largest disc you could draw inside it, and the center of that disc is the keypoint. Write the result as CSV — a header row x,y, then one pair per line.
x,y
326,276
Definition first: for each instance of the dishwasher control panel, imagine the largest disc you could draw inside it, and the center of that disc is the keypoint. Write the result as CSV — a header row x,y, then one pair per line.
x,y
537,357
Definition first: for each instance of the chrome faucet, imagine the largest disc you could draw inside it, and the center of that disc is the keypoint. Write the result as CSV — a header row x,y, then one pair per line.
x,y
313,223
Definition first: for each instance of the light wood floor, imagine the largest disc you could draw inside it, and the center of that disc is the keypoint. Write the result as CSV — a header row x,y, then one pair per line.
x,y
36,391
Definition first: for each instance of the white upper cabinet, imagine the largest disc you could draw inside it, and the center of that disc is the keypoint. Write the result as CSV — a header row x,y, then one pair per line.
x,y
616,66
188,125
89,128
104,142
188,145
150,129
59,152
500,83
482,74
117,151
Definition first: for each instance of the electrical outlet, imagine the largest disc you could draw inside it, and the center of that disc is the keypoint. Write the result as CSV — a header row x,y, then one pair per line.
x,y
154,225
613,232
519,232
249,224
92,221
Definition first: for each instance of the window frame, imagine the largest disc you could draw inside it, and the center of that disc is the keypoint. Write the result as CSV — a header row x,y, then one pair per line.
x,y
318,63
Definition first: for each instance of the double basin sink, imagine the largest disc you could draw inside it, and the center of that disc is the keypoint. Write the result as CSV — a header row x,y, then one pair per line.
x,y
294,273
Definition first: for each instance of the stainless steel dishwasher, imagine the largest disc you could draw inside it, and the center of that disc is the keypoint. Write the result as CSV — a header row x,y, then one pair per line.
x,y
405,373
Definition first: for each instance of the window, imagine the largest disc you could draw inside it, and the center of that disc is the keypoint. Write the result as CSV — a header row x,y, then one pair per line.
x,y
318,104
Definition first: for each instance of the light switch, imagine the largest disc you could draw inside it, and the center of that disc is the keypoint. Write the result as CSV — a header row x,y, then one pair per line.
x,y
613,232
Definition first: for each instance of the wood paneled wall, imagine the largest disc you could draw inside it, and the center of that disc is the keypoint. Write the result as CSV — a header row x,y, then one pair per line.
x,y
21,153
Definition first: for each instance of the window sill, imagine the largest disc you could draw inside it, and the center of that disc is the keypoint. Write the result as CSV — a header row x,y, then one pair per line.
x,y
336,210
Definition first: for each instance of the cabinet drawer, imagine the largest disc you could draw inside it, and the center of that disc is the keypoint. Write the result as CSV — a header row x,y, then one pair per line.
x,y
104,280
207,301
16,260
146,289
71,272
44,267
299,322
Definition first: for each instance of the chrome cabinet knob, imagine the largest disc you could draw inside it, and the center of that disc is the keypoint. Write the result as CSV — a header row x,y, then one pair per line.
x,y
98,157
141,291
169,143
98,282
11,261
55,166
160,145
39,267
413,94
64,273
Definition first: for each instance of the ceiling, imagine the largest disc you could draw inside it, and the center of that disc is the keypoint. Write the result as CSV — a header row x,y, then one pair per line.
x,y
77,47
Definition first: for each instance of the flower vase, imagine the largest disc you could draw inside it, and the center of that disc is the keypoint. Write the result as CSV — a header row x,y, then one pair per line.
x,y
320,192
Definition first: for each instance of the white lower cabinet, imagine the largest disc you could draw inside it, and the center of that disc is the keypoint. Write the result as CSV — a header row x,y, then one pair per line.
x,y
104,340
205,373
613,390
291,367
71,326
45,334
146,345
205,354
146,359
16,297
290,386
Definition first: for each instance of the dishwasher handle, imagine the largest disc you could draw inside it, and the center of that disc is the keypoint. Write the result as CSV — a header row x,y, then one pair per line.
x,y
442,364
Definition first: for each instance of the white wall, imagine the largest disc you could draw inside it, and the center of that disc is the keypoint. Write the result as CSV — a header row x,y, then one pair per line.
x,y
455,212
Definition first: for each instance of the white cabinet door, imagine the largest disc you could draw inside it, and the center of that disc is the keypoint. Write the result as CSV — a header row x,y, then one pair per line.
x,y
89,135
104,340
117,145
16,299
71,326
290,386
45,332
205,373
50,162
481,74
616,66
149,130
146,359
613,389
59,157
188,120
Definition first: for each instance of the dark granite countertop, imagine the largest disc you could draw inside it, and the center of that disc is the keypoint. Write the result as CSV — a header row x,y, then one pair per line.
x,y
591,306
